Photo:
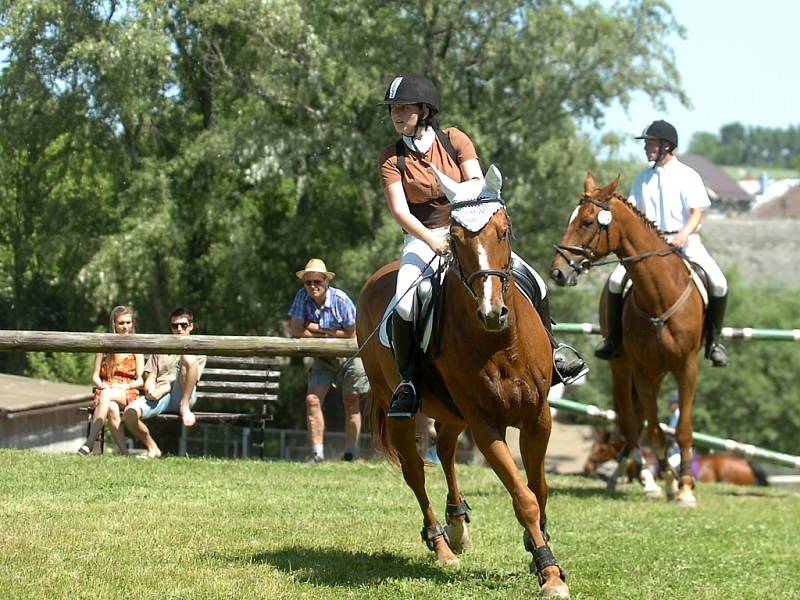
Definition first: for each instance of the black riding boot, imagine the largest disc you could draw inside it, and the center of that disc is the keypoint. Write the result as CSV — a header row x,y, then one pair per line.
x,y
715,351
612,345
404,399
568,365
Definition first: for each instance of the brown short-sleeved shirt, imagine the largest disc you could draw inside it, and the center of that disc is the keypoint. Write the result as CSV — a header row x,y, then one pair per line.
x,y
425,197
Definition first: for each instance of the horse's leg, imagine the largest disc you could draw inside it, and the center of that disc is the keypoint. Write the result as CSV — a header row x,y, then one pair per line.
x,y
627,419
457,510
402,433
687,380
647,386
533,444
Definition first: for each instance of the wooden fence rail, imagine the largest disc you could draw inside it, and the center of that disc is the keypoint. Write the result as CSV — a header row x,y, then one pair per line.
x,y
221,345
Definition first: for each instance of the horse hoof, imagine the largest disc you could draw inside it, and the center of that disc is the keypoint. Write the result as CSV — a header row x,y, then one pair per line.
x,y
557,589
458,534
687,500
653,492
449,560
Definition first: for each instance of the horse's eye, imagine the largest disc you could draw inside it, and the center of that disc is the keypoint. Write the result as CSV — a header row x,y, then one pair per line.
x,y
503,235
586,223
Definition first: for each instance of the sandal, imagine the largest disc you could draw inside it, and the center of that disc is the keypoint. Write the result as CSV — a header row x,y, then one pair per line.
x,y
84,450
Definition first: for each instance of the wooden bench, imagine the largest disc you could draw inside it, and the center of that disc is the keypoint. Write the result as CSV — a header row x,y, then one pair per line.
x,y
227,382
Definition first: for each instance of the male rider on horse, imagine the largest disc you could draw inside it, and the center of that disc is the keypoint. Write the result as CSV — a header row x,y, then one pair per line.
x,y
420,207
671,195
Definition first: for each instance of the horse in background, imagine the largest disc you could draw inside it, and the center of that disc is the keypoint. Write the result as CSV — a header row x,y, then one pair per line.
x,y
662,321
722,467
493,370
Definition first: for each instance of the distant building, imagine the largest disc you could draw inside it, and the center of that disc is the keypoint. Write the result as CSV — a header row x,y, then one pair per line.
x,y
785,206
725,192
42,415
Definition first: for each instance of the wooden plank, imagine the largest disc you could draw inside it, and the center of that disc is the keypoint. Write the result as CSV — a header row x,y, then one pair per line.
x,y
239,373
255,361
214,416
222,345
244,385
236,396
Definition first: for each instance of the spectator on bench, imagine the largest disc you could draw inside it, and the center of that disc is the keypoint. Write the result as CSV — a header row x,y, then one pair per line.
x,y
116,378
320,310
169,386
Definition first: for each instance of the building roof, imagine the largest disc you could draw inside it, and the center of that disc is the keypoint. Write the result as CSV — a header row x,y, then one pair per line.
x,y
722,188
24,393
785,206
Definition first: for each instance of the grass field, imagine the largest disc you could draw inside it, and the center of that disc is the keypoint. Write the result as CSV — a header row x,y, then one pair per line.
x,y
116,527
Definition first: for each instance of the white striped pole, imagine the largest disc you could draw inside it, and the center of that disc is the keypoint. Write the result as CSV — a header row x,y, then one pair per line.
x,y
700,439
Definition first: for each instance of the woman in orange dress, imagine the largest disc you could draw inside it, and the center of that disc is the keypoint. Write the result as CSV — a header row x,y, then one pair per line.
x,y
117,378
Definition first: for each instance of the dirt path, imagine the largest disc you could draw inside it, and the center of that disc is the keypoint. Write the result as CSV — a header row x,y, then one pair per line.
x,y
567,451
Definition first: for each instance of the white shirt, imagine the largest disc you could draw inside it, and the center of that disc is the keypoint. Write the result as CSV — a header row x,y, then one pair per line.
x,y
666,195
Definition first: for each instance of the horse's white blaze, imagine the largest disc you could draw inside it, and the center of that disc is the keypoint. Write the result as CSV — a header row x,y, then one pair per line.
x,y
574,213
483,264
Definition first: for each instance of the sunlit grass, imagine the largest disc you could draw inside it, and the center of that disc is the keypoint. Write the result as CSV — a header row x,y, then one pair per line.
x,y
73,527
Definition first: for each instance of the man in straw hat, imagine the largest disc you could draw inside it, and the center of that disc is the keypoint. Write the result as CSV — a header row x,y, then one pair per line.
x,y
320,310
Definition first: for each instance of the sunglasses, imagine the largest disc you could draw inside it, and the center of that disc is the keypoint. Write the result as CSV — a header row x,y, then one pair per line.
x,y
314,282
180,325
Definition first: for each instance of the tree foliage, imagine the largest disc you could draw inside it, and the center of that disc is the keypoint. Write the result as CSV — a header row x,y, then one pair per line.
x,y
736,144
164,153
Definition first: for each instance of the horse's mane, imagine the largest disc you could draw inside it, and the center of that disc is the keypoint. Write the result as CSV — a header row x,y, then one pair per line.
x,y
642,217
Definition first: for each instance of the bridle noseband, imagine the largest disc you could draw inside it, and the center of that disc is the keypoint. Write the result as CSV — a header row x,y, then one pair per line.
x,y
504,275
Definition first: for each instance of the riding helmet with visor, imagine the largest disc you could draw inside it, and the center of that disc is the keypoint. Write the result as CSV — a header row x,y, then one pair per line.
x,y
412,89
660,130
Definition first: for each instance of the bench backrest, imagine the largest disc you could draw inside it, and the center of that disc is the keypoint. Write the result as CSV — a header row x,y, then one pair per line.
x,y
233,378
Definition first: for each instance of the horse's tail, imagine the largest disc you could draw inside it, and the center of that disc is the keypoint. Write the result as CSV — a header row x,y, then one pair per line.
x,y
758,472
380,436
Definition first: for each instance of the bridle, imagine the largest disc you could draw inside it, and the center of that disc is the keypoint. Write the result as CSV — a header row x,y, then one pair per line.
x,y
590,254
504,274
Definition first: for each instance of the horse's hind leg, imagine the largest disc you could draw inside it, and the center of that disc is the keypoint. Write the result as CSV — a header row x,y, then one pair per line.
x,y
403,438
457,510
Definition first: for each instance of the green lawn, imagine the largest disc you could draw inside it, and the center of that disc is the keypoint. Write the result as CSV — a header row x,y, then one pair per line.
x,y
116,527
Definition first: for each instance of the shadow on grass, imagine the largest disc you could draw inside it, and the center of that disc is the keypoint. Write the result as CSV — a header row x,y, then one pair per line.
x,y
329,566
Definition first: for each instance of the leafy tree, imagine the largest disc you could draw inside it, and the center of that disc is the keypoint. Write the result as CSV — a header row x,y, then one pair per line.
x,y
754,146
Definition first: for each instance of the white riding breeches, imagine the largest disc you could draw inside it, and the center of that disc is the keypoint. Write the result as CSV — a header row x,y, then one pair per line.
x,y
414,259
696,252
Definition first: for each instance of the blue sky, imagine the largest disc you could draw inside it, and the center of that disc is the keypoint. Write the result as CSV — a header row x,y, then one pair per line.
x,y
738,63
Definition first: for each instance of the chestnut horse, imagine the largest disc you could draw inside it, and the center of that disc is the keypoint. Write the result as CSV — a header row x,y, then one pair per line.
x,y
662,321
722,467
495,363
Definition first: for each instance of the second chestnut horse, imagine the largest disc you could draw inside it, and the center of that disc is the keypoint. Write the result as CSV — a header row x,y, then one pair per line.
x,y
662,320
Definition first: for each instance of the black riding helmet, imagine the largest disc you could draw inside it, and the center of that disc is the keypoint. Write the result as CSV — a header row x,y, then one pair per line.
x,y
412,89
660,130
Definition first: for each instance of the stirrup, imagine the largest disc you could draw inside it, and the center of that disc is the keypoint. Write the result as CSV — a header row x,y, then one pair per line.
x,y
568,364
718,355
403,404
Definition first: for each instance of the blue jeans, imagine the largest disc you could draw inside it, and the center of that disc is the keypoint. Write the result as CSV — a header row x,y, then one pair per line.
x,y
168,403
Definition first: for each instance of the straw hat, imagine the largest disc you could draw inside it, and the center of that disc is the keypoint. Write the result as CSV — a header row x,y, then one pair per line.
x,y
315,265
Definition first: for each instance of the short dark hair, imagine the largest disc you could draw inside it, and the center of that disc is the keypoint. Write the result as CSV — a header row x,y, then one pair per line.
x,y
182,311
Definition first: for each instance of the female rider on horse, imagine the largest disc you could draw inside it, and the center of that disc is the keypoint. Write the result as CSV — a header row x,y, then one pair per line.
x,y
672,195
420,207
